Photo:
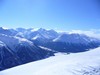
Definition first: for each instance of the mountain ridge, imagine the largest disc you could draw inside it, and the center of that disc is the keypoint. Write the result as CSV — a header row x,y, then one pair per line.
x,y
21,45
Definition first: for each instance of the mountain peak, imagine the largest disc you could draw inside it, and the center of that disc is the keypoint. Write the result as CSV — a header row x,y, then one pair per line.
x,y
41,29
3,28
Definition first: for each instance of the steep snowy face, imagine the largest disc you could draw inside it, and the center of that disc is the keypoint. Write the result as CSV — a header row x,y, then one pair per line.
x,y
7,57
50,34
5,31
39,37
16,51
18,45
47,34
12,41
20,34
75,38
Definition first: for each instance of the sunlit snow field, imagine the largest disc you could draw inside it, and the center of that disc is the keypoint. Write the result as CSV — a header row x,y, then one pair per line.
x,y
85,63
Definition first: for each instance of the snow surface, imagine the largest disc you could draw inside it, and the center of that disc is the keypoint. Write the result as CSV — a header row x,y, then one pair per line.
x,y
85,63
1,44
13,41
75,38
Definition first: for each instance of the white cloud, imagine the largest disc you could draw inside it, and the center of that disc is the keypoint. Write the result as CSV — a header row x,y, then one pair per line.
x,y
92,33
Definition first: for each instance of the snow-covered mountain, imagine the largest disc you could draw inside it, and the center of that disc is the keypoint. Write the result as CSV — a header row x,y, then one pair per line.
x,y
75,38
16,51
47,34
20,46
63,42
6,31
85,63
20,29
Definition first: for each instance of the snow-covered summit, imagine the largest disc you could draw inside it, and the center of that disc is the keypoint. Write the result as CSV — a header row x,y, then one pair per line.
x,y
43,33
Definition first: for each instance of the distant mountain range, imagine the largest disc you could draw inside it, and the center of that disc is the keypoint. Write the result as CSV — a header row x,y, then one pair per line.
x,y
20,46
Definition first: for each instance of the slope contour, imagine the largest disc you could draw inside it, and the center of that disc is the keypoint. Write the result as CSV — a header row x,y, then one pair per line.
x,y
85,63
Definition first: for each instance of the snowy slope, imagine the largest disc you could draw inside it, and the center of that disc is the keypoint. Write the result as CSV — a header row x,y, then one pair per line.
x,y
16,51
28,45
75,38
7,31
85,63
43,33
13,41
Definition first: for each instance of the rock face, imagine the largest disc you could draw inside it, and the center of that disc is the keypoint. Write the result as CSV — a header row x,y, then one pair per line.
x,y
21,45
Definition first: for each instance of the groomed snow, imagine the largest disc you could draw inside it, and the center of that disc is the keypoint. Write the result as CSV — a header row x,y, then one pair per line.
x,y
85,63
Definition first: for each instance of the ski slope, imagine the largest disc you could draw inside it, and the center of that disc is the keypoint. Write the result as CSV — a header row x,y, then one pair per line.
x,y
85,63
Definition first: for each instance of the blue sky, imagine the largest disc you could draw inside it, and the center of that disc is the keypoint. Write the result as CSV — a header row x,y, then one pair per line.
x,y
50,14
